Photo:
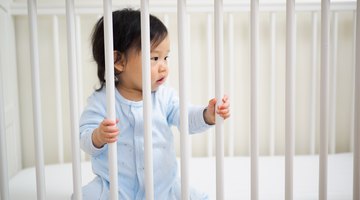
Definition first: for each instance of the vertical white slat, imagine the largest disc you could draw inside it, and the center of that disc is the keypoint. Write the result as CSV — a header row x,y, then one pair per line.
x,y
333,81
79,62
35,74
352,128
273,79
58,102
210,76
79,71
313,84
324,94
4,177
189,57
183,83
231,82
219,57
166,21
290,98
110,94
254,30
146,84
74,115
356,169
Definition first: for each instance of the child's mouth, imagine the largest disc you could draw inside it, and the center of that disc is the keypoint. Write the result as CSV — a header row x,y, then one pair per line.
x,y
160,81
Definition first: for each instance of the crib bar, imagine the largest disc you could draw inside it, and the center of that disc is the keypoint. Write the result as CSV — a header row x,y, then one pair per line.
x,y
356,173
324,106
254,91
110,94
166,21
57,75
333,73
313,84
290,98
188,54
73,88
231,83
352,126
35,74
210,77
145,48
273,79
219,57
79,62
183,83
4,178
79,71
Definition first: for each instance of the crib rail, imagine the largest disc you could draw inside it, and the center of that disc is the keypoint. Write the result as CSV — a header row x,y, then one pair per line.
x,y
184,68
219,93
327,86
324,87
74,106
290,98
254,138
356,191
35,73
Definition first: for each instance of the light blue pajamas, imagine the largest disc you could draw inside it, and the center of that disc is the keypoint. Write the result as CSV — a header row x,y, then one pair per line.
x,y
130,145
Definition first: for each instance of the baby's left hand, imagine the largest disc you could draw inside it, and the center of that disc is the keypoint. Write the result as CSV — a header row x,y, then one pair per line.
x,y
222,110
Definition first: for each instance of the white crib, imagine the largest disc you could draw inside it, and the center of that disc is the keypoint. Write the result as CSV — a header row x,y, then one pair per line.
x,y
256,64
237,178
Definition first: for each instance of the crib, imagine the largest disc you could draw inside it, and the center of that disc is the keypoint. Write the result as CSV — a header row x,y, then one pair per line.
x,y
292,133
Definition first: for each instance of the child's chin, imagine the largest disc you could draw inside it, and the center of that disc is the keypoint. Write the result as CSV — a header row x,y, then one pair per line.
x,y
154,89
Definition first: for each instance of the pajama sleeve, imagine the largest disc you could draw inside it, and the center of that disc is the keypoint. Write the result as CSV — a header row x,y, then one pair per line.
x,y
196,119
92,116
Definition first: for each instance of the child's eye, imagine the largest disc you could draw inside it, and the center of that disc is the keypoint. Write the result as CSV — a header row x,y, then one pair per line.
x,y
155,58
166,58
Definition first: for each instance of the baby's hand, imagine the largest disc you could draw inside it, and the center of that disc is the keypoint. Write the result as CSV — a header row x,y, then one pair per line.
x,y
107,132
222,110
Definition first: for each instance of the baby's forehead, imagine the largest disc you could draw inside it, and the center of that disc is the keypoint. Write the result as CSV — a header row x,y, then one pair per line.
x,y
160,50
162,47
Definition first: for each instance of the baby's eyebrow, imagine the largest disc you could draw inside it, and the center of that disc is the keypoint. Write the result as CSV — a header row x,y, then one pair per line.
x,y
159,51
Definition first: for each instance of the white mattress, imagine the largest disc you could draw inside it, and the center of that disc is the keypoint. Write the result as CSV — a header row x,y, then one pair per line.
x,y
202,176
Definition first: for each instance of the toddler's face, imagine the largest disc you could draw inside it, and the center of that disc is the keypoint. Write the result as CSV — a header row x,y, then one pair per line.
x,y
131,71
159,64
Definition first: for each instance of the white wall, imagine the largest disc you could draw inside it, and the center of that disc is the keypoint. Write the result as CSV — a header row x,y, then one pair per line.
x,y
241,98
10,89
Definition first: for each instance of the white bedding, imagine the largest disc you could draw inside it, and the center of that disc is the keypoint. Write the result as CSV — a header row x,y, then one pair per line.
x,y
202,176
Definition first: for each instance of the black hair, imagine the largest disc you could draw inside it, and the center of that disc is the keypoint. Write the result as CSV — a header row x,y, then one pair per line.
x,y
126,35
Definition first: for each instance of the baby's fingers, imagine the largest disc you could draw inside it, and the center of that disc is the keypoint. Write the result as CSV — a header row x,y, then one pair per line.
x,y
110,137
225,98
225,103
224,114
110,129
222,111
109,122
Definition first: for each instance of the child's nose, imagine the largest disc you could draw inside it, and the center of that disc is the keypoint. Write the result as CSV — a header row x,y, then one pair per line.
x,y
162,65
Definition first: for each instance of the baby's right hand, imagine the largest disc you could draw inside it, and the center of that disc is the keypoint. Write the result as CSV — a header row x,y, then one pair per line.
x,y
107,132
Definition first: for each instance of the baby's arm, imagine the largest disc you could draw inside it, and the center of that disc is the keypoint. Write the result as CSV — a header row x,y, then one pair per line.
x,y
106,132
222,110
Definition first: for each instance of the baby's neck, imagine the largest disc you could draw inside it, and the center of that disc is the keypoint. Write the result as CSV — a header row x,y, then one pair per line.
x,y
130,94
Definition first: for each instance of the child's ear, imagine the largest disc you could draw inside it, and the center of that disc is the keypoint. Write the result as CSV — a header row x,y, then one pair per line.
x,y
119,61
